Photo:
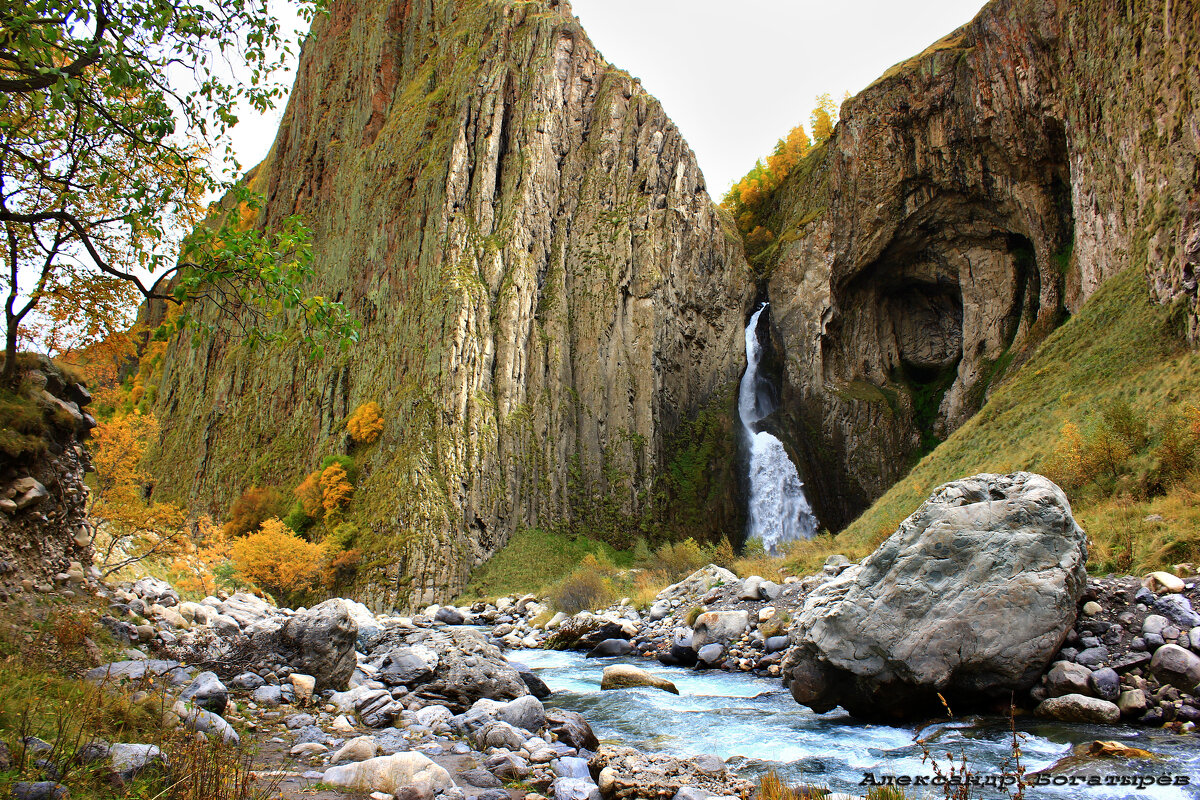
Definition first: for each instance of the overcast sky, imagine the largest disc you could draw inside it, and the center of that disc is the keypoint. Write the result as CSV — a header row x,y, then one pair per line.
x,y
737,75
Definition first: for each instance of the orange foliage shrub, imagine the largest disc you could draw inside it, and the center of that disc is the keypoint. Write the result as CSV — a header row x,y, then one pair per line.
x,y
366,423
255,506
310,495
336,489
278,560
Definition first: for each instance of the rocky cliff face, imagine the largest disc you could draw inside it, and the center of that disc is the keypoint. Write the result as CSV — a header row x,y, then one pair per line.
x,y
45,535
968,200
551,306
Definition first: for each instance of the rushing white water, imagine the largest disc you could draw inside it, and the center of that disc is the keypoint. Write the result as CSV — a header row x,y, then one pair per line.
x,y
754,723
779,511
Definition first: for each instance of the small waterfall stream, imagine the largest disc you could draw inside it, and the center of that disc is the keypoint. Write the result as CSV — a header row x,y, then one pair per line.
x,y
779,511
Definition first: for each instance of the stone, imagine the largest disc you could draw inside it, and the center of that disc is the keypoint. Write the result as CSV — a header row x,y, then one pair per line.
x,y
480,777
709,764
526,713
206,691
1178,667
308,750
360,748
267,695
574,789
320,642
693,793
776,644
610,648
536,686
1133,703
450,616
1105,684
1079,708
499,734
296,721
750,589
432,716
626,676
571,728
206,722
720,627
1155,624
1163,583
39,790
127,760
571,767
402,772
1178,609
1067,678
1093,656
710,654
659,610
508,767
1091,608
970,598
29,493
303,687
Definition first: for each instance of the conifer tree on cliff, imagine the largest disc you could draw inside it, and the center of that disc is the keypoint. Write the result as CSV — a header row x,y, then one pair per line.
x,y
109,113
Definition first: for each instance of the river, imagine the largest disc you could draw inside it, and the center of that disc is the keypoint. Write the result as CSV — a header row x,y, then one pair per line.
x,y
754,724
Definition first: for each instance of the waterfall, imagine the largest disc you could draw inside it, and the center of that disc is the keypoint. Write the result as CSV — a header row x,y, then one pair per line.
x,y
779,511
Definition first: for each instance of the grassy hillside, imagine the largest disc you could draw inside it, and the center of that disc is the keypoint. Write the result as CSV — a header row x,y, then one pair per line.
x,y
1121,347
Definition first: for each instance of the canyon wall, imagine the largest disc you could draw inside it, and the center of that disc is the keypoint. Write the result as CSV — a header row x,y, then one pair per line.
x,y
969,200
551,305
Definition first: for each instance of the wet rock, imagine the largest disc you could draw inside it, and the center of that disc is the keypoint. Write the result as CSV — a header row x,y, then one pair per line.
x,y
536,686
610,648
450,616
970,598
626,676
481,777
710,654
572,729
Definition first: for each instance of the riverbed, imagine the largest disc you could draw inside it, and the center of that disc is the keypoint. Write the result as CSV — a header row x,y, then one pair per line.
x,y
754,724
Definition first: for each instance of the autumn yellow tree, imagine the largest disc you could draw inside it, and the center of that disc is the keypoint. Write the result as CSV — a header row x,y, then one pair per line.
x,y
336,489
130,528
824,117
278,560
366,423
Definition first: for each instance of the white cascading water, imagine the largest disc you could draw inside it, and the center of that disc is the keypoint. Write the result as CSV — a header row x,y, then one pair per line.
x,y
779,511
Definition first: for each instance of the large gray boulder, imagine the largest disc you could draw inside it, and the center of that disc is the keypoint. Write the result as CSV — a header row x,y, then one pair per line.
x,y
320,642
457,666
970,598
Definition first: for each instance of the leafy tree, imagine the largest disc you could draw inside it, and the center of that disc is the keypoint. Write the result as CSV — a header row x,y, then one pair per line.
x,y
104,159
132,527
336,489
824,117
366,423
278,560
253,507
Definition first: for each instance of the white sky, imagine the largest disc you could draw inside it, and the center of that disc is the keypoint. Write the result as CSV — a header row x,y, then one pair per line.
x,y
736,76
